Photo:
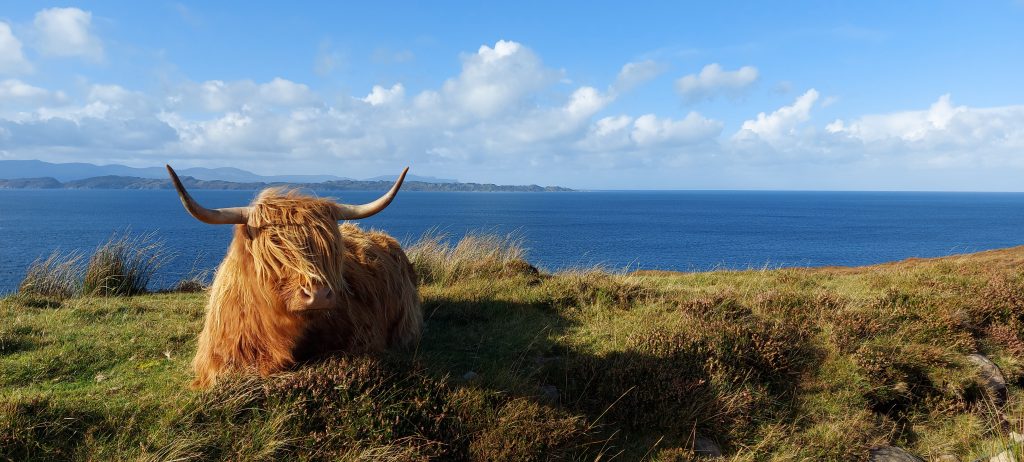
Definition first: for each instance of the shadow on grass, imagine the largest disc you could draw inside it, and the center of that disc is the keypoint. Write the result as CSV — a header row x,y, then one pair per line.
x,y
38,429
719,380
16,339
723,372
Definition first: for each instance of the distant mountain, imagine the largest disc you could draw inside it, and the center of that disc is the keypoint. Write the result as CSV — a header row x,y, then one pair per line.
x,y
239,175
130,182
424,179
12,169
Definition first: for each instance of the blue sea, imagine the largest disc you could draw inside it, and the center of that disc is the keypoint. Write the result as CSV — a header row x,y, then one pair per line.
x,y
619,230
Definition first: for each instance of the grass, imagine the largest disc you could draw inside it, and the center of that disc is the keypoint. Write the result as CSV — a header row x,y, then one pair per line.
x,y
438,261
56,276
123,265
773,365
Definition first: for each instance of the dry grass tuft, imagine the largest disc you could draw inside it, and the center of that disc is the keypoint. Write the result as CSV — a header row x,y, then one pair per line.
x,y
57,276
437,261
123,265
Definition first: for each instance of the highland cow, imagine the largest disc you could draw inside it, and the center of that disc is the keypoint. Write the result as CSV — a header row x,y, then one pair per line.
x,y
296,285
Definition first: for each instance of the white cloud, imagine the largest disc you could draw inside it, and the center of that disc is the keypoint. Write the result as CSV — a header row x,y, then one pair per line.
x,y
649,130
780,124
67,32
110,119
12,60
636,73
713,81
111,93
221,96
283,92
609,134
496,80
551,125
943,146
14,89
609,125
90,134
942,126
380,95
585,102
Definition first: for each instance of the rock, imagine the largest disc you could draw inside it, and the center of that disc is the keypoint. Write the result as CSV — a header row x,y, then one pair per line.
x,y
892,454
548,394
100,378
990,378
1016,437
470,376
1005,456
706,447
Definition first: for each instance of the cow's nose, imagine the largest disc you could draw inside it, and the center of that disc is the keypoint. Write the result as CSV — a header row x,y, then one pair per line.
x,y
318,297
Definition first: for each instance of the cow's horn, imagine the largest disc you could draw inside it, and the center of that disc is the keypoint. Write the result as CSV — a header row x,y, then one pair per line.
x,y
227,216
355,212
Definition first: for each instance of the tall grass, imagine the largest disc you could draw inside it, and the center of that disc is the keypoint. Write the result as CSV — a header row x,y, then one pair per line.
x,y
56,276
437,260
123,265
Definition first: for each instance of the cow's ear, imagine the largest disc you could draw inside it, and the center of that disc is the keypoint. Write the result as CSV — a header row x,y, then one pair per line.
x,y
250,232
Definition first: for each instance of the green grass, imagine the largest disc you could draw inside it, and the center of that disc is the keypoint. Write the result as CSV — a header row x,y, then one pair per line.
x,y
781,365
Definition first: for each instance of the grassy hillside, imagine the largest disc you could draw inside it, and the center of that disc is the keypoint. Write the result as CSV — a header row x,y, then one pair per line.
x,y
790,364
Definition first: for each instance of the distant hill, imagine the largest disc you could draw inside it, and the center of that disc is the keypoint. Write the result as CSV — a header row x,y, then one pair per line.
x,y
425,179
131,182
17,169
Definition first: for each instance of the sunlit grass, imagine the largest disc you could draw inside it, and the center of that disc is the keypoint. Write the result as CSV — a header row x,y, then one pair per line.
x,y
789,364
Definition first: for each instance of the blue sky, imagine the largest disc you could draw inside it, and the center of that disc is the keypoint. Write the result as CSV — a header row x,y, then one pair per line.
x,y
724,95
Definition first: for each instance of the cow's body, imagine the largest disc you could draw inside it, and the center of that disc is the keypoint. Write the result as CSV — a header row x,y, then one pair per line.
x,y
296,285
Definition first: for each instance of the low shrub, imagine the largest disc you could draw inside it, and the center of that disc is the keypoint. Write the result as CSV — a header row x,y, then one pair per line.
x,y
362,408
902,377
721,372
576,289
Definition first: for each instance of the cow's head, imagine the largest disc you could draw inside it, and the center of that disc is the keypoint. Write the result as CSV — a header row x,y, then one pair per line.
x,y
293,240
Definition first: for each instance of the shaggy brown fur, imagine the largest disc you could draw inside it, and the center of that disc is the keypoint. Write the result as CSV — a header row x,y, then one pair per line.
x,y
254,321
